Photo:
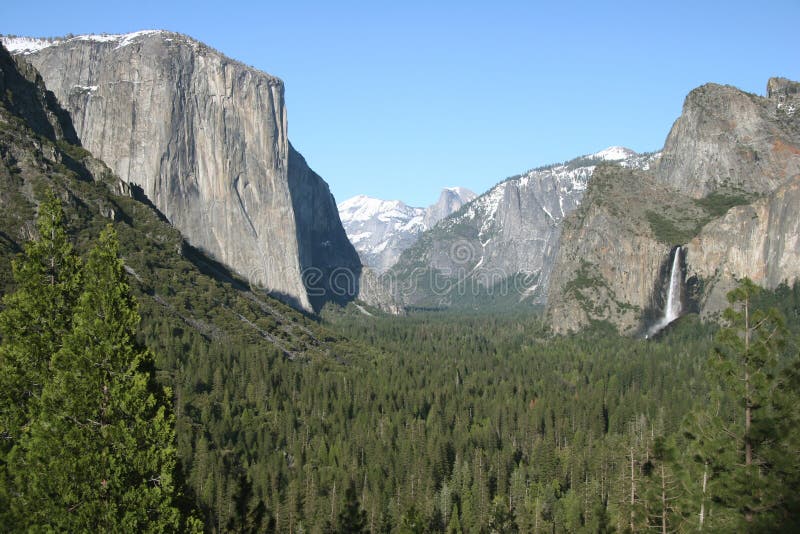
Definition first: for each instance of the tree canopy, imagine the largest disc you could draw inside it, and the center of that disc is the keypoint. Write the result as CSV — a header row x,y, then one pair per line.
x,y
90,434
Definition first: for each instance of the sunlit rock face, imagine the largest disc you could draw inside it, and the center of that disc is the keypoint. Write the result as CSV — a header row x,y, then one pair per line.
x,y
205,137
726,145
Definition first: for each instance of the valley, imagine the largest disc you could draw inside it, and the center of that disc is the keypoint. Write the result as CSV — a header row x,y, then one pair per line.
x,y
608,343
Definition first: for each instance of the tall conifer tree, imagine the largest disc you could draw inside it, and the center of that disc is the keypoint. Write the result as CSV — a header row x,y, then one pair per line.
x,y
92,440
734,435
34,320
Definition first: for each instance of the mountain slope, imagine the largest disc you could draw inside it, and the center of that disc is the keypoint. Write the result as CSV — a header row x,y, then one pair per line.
x,y
760,240
611,257
205,325
381,230
501,246
206,139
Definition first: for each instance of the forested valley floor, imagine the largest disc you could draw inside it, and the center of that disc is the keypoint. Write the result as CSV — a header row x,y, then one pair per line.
x,y
475,423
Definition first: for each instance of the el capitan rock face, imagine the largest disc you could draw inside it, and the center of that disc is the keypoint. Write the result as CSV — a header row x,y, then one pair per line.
x,y
205,137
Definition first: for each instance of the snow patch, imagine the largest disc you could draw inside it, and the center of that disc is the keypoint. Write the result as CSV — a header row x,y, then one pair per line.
x,y
30,45
27,45
462,192
614,153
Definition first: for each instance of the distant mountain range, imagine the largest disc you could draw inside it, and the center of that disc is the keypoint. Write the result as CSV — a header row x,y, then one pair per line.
x,y
500,247
382,229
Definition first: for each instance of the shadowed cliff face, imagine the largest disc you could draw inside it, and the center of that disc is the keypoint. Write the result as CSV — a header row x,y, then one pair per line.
x,y
331,268
206,139
23,93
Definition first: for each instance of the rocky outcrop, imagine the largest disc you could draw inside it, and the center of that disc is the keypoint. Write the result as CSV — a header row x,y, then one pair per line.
x,y
450,201
24,95
374,292
501,247
760,241
205,137
727,184
730,141
611,260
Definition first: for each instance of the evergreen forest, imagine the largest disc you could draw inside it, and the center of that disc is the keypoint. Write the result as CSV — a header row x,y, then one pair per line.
x,y
433,422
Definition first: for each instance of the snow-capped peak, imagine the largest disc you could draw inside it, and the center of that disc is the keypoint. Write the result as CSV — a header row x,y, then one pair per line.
x,y
381,230
613,153
362,208
462,192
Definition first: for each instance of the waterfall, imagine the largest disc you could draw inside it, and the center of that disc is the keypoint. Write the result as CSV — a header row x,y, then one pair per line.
x,y
672,310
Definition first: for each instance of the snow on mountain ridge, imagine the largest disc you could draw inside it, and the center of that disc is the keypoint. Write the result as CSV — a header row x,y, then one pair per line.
x,y
506,240
363,208
381,229
614,153
29,45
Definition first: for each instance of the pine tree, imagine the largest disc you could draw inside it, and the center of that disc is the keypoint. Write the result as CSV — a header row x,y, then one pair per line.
x,y
34,320
661,487
735,434
36,316
101,454
501,520
454,526
352,518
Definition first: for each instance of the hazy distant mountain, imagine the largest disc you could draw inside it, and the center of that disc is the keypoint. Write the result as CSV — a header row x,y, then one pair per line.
x,y
381,230
502,245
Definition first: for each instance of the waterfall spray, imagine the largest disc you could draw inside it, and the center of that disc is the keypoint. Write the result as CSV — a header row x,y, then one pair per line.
x,y
672,310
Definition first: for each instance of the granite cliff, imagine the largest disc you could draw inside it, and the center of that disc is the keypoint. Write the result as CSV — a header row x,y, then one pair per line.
x,y
726,186
205,138
727,140
760,241
615,251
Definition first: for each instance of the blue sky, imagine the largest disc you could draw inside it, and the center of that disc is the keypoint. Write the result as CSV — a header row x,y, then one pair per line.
x,y
399,99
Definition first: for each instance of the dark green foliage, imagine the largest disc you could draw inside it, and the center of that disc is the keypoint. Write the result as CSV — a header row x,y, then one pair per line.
x,y
502,520
33,323
740,438
90,441
667,230
352,518
718,203
35,318
679,227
